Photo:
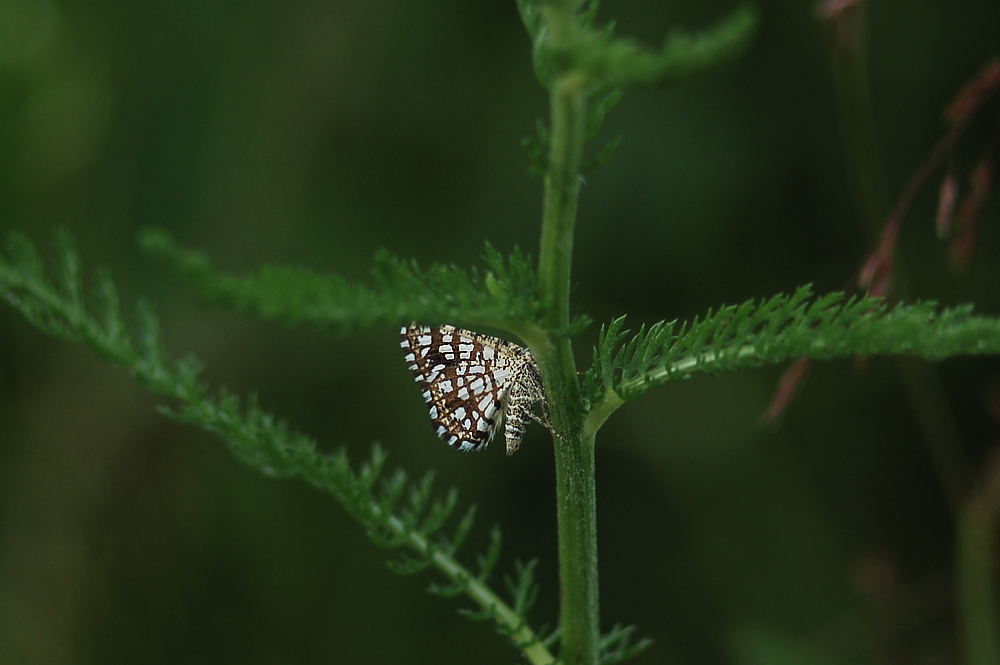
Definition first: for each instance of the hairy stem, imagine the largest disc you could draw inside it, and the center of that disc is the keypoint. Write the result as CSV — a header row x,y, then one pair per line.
x,y
577,510
562,188
575,489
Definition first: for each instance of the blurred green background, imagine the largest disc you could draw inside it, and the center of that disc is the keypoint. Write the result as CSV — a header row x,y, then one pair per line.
x,y
314,132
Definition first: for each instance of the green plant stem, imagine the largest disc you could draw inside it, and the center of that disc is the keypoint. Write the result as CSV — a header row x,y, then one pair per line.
x,y
562,189
574,454
979,621
577,510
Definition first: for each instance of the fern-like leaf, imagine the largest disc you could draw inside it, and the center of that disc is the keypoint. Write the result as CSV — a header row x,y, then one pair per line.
x,y
502,295
609,63
396,513
775,331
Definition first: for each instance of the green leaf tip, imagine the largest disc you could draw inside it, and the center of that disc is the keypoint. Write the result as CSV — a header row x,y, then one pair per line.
x,y
622,63
616,645
604,66
161,246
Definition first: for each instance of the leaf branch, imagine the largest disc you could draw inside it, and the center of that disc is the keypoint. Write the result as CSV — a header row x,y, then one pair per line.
x,y
396,514
775,331
503,294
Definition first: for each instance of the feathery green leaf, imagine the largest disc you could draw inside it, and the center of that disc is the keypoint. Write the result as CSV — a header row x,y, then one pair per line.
x,y
775,331
620,63
414,523
502,295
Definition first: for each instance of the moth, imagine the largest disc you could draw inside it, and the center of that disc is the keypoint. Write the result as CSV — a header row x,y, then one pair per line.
x,y
471,382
